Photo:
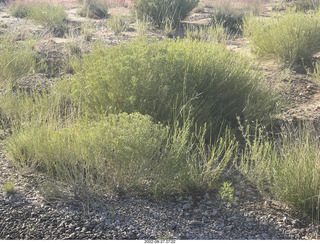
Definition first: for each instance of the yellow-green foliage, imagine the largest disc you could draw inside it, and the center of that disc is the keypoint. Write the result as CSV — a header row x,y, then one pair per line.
x,y
287,38
122,152
117,23
287,167
17,58
162,79
9,187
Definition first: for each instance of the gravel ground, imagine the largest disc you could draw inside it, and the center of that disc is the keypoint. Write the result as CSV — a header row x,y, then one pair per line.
x,y
25,215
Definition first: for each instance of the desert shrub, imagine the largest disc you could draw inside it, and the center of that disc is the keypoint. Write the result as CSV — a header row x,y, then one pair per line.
x,y
125,152
306,5
17,59
117,23
212,33
165,79
231,13
285,168
160,11
97,9
43,13
288,38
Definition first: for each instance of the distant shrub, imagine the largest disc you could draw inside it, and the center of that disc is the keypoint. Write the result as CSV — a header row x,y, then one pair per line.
x,y
167,79
285,168
306,5
288,38
43,13
161,11
97,9
231,13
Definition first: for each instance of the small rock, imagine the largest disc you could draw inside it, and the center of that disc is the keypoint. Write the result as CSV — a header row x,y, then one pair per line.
x,y
156,216
186,206
229,227
286,221
214,212
204,219
206,196
265,236
249,219
196,223
108,222
206,213
117,222
209,203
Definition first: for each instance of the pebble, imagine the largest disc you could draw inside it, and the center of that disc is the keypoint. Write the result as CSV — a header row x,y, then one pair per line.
x,y
186,206
214,212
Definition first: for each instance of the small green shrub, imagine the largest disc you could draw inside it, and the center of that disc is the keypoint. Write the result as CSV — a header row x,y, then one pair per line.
x,y
288,38
19,10
97,9
17,59
117,23
123,153
226,191
285,168
162,10
166,79
9,187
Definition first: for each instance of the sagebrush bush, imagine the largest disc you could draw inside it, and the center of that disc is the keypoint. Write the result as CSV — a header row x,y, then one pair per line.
x,y
165,79
285,168
288,38
17,59
97,9
161,11
125,152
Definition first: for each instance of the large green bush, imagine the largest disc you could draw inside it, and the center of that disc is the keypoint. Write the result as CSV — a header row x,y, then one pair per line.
x,y
288,38
161,11
165,79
